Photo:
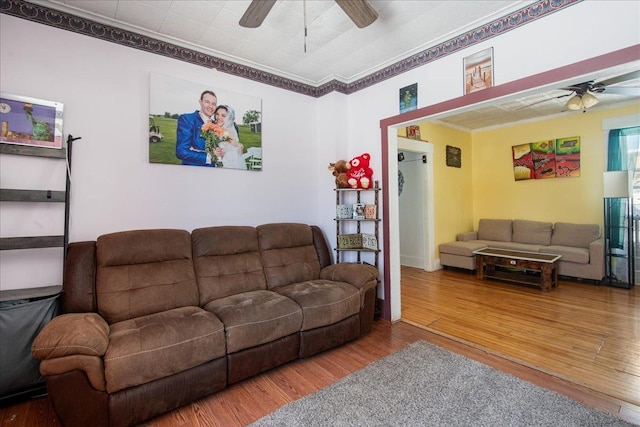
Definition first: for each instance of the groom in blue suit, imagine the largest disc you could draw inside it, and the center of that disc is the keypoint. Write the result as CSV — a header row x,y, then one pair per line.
x,y
189,144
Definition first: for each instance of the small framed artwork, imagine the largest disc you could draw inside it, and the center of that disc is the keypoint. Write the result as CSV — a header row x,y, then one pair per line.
x,y
370,211
568,157
413,132
522,162
358,211
408,98
454,156
478,71
30,121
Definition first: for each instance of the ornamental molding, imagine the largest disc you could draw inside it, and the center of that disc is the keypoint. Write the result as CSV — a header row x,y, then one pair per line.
x,y
65,21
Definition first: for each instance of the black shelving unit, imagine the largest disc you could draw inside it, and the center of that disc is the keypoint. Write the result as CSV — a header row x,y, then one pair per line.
x,y
619,243
24,312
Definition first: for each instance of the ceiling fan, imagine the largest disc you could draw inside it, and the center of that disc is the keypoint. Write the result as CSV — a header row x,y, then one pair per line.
x,y
360,11
584,93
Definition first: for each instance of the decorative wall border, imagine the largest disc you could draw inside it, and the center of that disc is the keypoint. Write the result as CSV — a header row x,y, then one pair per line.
x,y
51,17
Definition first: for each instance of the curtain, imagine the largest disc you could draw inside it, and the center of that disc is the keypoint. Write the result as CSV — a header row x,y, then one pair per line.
x,y
622,153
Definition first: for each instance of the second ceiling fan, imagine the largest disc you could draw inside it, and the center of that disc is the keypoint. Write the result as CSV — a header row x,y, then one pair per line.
x,y
583,95
359,11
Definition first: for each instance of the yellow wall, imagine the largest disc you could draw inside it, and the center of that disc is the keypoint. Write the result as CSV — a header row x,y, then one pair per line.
x,y
496,194
485,186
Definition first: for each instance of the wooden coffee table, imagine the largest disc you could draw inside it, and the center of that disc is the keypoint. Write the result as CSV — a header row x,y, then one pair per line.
x,y
518,267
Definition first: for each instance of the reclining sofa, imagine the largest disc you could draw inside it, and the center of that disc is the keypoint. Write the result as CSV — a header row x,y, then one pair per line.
x,y
155,319
580,245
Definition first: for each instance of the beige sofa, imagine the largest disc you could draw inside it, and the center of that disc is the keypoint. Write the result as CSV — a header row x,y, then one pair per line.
x,y
581,245
155,319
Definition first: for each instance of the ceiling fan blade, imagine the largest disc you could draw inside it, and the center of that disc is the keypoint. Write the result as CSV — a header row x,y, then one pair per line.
x,y
256,12
543,100
360,11
622,90
623,78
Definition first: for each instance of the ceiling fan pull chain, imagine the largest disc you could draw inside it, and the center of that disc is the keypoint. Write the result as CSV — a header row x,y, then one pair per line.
x,y
304,18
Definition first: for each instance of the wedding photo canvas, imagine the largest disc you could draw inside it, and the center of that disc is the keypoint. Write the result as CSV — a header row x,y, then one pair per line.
x,y
182,133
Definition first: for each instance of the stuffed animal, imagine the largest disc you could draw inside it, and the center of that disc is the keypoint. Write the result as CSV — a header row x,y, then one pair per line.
x,y
340,169
359,173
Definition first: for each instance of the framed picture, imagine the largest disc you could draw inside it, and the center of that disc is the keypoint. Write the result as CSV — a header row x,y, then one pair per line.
x,y
408,98
568,157
358,211
30,121
522,162
413,132
454,156
478,71
177,135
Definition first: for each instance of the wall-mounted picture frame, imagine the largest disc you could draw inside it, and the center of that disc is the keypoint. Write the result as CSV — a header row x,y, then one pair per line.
x,y
568,157
30,121
454,156
408,98
176,135
478,71
552,158
413,132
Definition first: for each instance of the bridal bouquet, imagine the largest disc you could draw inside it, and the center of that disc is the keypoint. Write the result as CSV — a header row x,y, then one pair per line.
x,y
213,134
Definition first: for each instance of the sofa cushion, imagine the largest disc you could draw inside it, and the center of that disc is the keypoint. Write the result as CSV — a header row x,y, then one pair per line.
x,y
158,345
142,272
323,302
532,232
461,248
569,253
576,235
227,261
498,230
288,253
256,317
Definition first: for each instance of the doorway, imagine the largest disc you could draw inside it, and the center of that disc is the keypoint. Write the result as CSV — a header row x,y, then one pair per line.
x,y
415,204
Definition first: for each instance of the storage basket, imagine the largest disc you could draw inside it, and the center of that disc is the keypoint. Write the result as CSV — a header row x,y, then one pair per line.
x,y
357,241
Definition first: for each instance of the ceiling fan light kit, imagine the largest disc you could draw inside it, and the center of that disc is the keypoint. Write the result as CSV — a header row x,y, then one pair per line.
x,y
582,102
588,100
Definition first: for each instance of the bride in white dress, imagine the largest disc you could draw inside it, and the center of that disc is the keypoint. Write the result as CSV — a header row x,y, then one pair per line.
x,y
232,148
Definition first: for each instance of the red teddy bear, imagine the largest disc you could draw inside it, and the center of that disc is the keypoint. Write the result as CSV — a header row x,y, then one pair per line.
x,y
359,173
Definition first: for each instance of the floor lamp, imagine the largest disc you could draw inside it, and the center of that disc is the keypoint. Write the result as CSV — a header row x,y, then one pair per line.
x,y
618,230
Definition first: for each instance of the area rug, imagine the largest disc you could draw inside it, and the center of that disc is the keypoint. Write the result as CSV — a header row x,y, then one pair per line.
x,y
424,385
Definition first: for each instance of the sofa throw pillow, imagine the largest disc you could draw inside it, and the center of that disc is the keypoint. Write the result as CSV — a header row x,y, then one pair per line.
x,y
576,235
498,230
532,232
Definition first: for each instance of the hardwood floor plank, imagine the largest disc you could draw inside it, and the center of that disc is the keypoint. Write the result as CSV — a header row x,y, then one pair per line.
x,y
586,334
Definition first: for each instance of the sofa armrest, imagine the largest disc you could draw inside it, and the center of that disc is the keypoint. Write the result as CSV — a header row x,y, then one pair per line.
x,y
72,334
466,236
74,341
362,276
92,366
596,252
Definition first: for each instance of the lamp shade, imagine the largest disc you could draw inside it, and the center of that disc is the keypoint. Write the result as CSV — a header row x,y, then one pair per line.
x,y
589,100
616,184
575,103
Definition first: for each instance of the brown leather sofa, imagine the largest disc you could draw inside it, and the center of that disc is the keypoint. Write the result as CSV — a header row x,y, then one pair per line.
x,y
155,319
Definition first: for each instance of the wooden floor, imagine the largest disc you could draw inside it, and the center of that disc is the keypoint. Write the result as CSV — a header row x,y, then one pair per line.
x,y
511,321
586,334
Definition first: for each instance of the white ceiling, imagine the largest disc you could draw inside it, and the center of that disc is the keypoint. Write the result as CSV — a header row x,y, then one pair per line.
x,y
335,47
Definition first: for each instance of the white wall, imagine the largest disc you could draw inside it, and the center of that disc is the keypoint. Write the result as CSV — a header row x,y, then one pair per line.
x,y
105,89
